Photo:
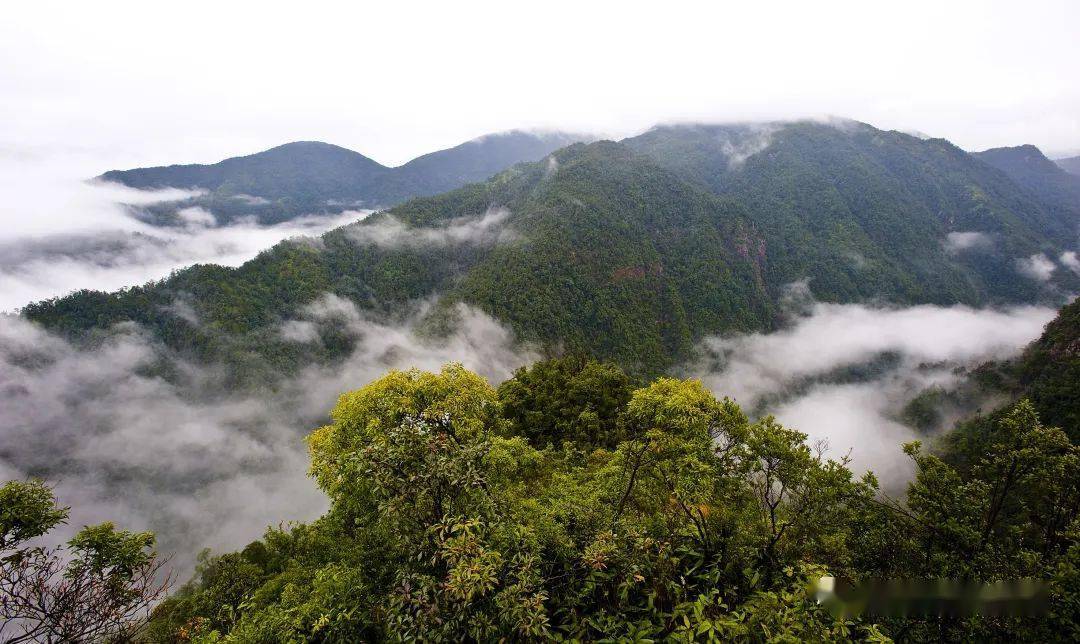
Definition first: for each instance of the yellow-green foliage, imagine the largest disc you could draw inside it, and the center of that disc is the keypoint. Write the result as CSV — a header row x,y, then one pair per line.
x,y
697,524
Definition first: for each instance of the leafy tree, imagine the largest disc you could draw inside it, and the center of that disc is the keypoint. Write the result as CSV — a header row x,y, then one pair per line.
x,y
571,399
100,587
445,525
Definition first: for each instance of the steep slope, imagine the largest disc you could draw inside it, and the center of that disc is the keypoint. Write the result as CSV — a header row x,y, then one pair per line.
x,y
305,177
1070,165
1049,371
1047,375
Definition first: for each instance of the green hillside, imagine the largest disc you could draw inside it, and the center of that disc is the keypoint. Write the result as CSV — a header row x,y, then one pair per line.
x,y
864,212
1050,371
633,251
1042,178
1045,376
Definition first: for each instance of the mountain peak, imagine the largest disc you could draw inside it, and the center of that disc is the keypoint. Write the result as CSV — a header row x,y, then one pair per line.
x,y
309,176
1026,154
1031,169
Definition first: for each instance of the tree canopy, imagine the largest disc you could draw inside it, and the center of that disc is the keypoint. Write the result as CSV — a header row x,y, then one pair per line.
x,y
667,515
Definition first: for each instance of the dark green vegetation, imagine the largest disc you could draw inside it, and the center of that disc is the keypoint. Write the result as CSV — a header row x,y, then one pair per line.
x,y
1050,371
863,212
310,177
668,515
633,251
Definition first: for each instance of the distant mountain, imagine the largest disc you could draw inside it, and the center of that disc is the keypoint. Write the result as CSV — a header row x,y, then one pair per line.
x,y
473,161
291,170
308,176
633,251
1070,165
1046,180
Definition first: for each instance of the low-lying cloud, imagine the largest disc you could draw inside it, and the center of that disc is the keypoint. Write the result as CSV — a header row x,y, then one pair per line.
x,y
63,233
1038,267
957,242
201,465
842,373
754,138
58,264
1070,261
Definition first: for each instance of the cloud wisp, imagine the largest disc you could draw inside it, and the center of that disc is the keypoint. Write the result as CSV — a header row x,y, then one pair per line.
x,y
958,242
390,232
1070,261
201,465
1038,267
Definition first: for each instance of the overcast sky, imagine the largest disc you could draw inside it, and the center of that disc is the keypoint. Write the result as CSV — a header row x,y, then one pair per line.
x,y
142,82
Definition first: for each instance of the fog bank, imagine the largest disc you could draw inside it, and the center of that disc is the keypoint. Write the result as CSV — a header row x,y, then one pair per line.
x,y
63,233
842,373
202,469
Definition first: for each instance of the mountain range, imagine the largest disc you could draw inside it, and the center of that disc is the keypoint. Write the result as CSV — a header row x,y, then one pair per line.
x,y
634,250
305,177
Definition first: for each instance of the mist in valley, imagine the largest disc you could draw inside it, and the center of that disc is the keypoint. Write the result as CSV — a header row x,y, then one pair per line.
x,y
199,464
64,231
843,373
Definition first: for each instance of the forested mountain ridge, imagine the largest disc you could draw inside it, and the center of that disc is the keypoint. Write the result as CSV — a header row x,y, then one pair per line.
x,y
275,173
306,177
1043,178
633,251
835,195
593,248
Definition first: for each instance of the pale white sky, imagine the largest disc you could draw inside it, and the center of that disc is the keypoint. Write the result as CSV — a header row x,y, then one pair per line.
x,y
137,83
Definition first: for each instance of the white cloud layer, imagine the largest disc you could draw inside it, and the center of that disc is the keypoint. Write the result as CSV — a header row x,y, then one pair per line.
x,y
62,233
1070,261
789,371
488,228
199,464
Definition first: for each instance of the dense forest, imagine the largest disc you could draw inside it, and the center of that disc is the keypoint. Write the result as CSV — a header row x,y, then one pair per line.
x,y
575,503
